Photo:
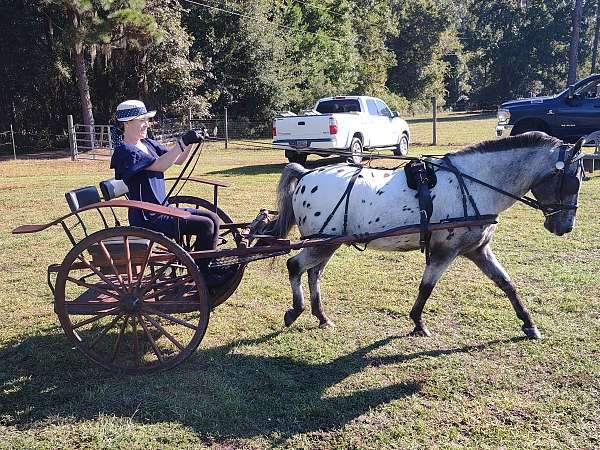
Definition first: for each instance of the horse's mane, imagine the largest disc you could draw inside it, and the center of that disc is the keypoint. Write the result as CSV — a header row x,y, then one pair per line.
x,y
533,139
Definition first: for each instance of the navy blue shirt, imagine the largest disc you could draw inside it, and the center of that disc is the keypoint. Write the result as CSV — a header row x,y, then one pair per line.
x,y
130,165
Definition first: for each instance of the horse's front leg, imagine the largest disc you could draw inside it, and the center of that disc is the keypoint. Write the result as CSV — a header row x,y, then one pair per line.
x,y
485,259
439,262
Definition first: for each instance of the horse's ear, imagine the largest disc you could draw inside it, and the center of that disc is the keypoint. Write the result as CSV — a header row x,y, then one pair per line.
x,y
577,147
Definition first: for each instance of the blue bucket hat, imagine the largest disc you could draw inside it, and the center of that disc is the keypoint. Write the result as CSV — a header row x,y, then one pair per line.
x,y
133,109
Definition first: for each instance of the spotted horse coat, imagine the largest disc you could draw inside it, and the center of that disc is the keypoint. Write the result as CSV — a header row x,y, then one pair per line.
x,y
380,200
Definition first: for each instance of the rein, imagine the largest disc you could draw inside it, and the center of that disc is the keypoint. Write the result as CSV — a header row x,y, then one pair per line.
x,y
195,155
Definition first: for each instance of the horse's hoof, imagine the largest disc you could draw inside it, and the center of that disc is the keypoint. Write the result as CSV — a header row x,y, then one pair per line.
x,y
290,317
420,331
532,332
328,324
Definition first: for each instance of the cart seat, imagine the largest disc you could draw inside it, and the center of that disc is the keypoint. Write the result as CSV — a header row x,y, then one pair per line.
x,y
113,189
85,196
78,198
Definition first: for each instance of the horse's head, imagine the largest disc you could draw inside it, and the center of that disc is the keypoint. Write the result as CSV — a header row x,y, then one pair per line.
x,y
558,190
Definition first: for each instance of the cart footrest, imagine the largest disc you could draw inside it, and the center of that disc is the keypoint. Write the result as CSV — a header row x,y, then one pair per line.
x,y
226,261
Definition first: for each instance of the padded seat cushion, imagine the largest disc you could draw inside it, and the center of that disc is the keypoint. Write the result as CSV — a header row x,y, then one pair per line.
x,y
113,188
78,198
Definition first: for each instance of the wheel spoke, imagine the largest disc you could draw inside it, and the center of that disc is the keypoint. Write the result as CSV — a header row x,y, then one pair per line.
x,y
151,339
112,264
136,343
95,318
156,276
169,286
163,331
119,338
105,330
128,258
93,288
144,265
169,317
97,272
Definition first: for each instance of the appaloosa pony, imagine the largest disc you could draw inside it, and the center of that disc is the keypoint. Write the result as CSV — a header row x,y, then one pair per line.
x,y
494,173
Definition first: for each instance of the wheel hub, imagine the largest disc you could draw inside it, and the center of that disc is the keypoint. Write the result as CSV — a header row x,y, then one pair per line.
x,y
131,303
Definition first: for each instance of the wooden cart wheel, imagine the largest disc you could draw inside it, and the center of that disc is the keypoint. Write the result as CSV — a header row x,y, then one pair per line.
x,y
229,239
131,300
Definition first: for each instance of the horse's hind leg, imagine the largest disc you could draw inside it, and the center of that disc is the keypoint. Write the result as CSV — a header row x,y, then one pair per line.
x,y
297,265
485,259
433,272
314,284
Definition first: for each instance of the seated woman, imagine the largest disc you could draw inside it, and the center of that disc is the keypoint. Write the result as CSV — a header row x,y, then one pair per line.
x,y
141,162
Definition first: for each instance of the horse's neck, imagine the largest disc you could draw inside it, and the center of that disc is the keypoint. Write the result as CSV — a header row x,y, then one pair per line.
x,y
513,171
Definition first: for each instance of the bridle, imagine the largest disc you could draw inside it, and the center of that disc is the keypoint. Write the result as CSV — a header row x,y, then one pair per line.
x,y
568,184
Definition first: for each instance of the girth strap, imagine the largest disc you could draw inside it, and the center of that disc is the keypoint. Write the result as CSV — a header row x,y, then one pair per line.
x,y
345,196
417,171
464,190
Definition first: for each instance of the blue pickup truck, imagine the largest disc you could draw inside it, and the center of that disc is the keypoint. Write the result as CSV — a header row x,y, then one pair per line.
x,y
569,115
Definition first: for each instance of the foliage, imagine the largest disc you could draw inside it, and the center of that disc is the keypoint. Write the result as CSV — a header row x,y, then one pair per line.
x,y
506,39
419,70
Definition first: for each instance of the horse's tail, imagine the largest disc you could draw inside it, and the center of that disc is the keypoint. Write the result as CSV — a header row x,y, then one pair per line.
x,y
287,183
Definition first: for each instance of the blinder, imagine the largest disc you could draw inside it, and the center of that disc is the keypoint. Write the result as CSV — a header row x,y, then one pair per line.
x,y
569,185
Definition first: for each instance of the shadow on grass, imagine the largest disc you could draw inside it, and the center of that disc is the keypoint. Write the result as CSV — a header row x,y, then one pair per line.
x,y
274,168
219,392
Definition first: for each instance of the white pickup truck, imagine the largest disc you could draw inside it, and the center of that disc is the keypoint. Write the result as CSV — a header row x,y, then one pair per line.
x,y
344,123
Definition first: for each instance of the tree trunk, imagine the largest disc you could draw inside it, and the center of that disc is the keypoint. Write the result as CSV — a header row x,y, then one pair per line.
x,y
84,92
574,46
596,37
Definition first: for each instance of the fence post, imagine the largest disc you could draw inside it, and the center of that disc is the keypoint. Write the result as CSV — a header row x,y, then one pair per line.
x,y
72,139
190,116
109,131
12,136
226,130
434,111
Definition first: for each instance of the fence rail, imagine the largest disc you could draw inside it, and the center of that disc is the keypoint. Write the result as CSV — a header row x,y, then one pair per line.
x,y
4,135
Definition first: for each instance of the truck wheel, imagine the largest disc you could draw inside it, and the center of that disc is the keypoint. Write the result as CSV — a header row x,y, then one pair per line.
x,y
402,147
296,157
356,149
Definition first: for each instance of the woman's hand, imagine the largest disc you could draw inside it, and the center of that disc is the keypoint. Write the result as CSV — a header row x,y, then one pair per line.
x,y
178,152
185,143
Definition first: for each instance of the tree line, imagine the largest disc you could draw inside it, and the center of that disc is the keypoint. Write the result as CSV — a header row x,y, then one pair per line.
x,y
261,57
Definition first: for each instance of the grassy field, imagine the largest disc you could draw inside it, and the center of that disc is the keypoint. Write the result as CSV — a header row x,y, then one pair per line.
x,y
253,384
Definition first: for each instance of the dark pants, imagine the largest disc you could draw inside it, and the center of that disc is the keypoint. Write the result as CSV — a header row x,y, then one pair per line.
x,y
203,224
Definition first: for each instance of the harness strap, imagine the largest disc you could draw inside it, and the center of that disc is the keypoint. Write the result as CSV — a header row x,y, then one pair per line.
x,y
345,196
464,190
528,201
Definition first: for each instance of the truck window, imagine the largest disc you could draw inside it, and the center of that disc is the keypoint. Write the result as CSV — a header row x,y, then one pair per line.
x,y
383,109
338,105
372,107
590,90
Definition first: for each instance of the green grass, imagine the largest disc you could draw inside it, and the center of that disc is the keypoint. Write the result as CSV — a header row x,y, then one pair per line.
x,y
253,384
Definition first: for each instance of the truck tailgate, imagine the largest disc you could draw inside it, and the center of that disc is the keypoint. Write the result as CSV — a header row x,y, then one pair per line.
x,y
302,127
